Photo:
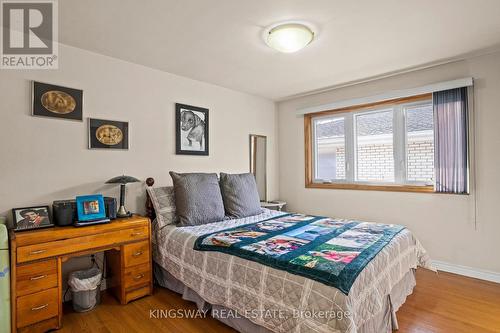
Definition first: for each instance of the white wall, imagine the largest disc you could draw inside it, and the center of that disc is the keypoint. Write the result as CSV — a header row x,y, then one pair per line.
x,y
45,159
443,223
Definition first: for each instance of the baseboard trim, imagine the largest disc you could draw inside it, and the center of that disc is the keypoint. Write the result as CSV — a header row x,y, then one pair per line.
x,y
467,271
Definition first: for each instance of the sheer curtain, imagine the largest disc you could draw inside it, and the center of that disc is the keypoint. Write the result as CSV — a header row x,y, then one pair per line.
x,y
451,141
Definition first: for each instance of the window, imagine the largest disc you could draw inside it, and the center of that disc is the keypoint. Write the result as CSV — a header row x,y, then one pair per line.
x,y
330,148
388,145
374,146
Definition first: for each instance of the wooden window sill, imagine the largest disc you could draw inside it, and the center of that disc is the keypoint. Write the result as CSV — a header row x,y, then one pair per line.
x,y
393,188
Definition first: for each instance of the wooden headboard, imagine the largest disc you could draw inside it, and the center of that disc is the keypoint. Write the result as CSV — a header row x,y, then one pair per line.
x,y
150,211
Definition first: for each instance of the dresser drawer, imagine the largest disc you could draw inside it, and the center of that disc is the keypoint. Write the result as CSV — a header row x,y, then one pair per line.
x,y
41,327
60,247
37,307
136,276
137,293
135,254
34,277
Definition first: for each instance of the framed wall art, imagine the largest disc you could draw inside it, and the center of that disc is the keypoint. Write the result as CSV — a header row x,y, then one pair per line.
x,y
53,101
191,130
108,134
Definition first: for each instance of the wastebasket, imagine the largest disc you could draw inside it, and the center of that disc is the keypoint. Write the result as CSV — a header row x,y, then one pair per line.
x,y
4,279
85,289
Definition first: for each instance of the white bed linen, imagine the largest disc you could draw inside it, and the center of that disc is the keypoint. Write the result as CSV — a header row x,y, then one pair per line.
x,y
275,299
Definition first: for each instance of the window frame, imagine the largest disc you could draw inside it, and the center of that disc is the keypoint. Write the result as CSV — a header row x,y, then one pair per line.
x,y
350,138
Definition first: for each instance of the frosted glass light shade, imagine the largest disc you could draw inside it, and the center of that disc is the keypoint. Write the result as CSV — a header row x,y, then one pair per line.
x,y
290,37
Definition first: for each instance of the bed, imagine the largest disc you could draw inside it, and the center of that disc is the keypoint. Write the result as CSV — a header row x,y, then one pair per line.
x,y
252,297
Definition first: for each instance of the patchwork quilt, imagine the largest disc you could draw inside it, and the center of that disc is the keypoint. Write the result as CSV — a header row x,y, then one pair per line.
x,y
332,251
244,286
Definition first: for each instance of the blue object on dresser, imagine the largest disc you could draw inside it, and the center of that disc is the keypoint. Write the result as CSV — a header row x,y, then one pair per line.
x,y
90,210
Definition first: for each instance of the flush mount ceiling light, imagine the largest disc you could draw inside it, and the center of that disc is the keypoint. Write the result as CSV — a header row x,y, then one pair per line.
x,y
289,37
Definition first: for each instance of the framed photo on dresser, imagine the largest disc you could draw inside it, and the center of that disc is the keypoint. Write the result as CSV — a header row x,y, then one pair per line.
x,y
29,218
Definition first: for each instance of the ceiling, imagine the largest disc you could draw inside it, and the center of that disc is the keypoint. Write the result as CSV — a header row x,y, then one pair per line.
x,y
220,41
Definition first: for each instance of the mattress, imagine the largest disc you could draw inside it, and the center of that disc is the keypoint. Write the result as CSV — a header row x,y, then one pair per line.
x,y
278,300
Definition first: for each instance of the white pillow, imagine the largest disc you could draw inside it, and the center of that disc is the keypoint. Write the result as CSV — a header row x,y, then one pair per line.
x,y
163,199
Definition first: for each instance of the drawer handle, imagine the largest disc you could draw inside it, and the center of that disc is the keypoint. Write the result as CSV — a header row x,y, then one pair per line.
x,y
138,277
37,252
37,277
138,253
40,307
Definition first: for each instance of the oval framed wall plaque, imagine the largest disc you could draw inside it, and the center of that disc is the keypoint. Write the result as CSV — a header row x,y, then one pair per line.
x,y
108,134
58,102
49,100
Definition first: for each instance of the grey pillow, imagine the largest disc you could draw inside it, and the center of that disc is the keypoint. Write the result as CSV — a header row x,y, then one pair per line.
x,y
240,195
163,200
197,198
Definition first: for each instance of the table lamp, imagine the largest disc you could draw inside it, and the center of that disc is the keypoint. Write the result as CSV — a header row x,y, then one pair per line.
x,y
122,180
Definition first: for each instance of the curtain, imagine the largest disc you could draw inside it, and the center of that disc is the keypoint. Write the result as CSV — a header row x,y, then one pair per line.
x,y
450,141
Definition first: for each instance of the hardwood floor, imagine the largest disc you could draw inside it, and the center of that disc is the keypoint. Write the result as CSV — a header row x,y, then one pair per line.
x,y
450,303
440,303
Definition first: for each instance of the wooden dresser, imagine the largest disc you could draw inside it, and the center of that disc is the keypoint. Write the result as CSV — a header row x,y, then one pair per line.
x,y
37,257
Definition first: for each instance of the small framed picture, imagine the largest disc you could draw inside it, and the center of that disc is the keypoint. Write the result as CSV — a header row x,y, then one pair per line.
x,y
29,218
56,102
191,130
108,134
90,207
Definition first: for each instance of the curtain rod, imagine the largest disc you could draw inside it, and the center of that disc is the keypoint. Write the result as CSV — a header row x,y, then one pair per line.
x,y
464,82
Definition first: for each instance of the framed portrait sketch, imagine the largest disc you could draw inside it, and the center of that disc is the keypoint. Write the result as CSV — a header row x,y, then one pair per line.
x,y
29,218
108,134
191,130
56,102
